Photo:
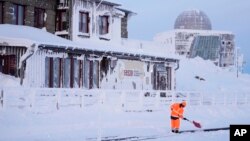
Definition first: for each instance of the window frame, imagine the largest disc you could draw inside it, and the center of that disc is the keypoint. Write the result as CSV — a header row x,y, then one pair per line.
x,y
59,21
16,13
102,28
37,18
1,12
81,24
8,64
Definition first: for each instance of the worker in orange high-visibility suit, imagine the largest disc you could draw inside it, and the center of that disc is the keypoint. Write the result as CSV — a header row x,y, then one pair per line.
x,y
177,110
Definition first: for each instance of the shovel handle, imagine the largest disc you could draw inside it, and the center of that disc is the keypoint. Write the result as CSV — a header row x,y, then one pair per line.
x,y
185,119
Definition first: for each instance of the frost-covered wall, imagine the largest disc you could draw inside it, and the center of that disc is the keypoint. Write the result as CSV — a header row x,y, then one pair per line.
x,y
140,75
35,70
52,69
127,74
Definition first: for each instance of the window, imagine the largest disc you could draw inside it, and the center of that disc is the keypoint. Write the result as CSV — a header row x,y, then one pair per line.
x,y
77,73
161,77
86,72
56,72
62,72
84,22
1,12
103,25
91,74
53,72
66,73
61,20
39,18
49,72
95,74
169,78
72,73
18,15
8,64
104,67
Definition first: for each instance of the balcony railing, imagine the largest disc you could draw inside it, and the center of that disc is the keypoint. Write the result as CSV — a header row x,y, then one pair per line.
x,y
63,3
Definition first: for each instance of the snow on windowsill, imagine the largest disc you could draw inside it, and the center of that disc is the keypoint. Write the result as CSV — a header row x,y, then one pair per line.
x,y
105,36
62,7
63,32
86,35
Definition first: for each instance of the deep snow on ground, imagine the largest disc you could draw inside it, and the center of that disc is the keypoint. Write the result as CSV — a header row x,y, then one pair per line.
x,y
76,124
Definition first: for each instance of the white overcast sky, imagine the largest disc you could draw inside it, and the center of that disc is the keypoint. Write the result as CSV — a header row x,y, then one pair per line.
x,y
154,16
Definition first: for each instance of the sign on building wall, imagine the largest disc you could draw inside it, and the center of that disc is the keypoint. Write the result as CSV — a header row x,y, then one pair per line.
x,y
132,73
129,69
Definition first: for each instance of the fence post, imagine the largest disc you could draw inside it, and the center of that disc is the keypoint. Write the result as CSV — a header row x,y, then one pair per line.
x,y
58,98
1,98
102,97
82,100
32,97
141,95
157,100
172,96
123,97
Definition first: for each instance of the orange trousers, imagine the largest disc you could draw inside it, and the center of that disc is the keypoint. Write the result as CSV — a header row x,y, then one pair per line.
x,y
175,124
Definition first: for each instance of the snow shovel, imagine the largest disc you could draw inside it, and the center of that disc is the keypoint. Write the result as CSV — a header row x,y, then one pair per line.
x,y
196,124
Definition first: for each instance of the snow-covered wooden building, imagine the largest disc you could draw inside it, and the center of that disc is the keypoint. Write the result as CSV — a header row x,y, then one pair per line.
x,y
97,55
55,62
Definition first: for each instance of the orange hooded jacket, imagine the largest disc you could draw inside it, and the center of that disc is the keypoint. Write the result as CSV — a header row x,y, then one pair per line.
x,y
177,110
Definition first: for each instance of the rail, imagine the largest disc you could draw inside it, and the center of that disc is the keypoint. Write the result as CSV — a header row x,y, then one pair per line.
x,y
126,100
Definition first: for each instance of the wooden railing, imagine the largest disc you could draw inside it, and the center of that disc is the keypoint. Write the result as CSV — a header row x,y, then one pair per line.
x,y
125,100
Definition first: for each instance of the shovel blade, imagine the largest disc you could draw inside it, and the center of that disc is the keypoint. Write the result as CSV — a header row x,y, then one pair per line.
x,y
196,124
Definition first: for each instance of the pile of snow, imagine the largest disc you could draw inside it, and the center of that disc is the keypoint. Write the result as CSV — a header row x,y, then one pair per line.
x,y
202,75
9,81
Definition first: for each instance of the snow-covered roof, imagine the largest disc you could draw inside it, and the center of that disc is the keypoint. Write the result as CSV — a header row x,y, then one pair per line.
x,y
13,35
126,11
107,3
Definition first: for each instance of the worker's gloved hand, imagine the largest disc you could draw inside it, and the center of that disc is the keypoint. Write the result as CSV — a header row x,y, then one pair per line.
x,y
181,116
184,118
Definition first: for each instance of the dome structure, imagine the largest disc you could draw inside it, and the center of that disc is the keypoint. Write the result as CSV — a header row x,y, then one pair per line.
x,y
193,19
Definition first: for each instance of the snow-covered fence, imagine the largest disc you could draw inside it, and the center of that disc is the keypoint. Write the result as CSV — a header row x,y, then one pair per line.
x,y
126,100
